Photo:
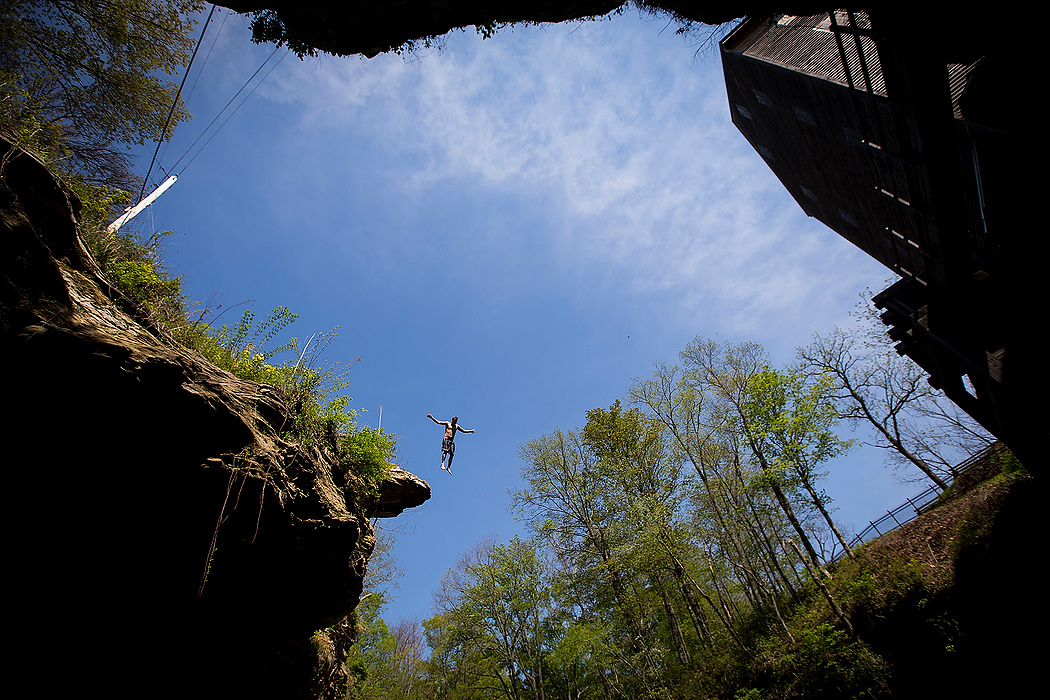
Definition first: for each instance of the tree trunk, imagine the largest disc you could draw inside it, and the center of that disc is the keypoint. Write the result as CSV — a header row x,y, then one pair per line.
x,y
672,620
824,589
785,504
827,516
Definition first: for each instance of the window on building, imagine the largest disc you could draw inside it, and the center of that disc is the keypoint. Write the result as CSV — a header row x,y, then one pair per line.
x,y
804,116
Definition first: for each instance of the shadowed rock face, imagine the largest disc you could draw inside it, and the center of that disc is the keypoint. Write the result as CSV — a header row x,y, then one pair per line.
x,y
371,27
122,475
399,491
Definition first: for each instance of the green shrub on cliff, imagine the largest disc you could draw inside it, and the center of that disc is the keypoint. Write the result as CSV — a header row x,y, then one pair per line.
x,y
242,349
367,453
313,388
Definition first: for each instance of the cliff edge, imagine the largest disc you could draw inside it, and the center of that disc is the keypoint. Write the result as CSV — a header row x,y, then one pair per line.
x,y
166,538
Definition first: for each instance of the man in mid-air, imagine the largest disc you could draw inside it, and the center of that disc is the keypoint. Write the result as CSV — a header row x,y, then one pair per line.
x,y
448,445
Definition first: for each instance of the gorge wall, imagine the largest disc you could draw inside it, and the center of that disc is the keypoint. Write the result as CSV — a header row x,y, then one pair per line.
x,y
122,467
375,26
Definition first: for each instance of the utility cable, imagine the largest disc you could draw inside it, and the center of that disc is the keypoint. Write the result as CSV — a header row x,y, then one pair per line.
x,y
214,41
213,135
175,103
225,16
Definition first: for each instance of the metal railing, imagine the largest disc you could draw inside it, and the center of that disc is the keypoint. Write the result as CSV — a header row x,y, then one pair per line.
x,y
917,505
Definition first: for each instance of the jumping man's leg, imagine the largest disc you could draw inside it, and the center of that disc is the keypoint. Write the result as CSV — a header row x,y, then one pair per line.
x,y
447,448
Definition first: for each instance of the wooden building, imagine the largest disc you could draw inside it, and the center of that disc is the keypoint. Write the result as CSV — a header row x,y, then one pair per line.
x,y
911,152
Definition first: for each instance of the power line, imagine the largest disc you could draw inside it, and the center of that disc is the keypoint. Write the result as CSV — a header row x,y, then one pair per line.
x,y
200,72
217,116
225,16
215,133
175,102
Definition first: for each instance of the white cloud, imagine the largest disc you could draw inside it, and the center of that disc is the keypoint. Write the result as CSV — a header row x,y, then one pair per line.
x,y
653,184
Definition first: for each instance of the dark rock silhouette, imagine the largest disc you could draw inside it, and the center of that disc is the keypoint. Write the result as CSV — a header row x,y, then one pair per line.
x,y
375,26
128,487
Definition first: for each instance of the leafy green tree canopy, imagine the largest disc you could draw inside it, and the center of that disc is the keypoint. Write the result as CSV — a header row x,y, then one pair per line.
x,y
78,79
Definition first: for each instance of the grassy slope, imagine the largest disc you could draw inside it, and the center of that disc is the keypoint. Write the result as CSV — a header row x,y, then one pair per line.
x,y
942,607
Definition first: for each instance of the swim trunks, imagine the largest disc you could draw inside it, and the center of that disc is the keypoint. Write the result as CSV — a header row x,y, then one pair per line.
x,y
448,446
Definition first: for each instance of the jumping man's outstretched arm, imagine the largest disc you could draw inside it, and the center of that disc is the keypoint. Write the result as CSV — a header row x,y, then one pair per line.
x,y
461,429
439,422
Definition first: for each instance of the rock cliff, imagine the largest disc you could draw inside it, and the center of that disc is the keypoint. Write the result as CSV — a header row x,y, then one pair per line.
x,y
150,555
371,27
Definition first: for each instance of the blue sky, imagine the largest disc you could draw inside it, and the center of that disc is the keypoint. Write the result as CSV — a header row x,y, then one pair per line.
x,y
509,231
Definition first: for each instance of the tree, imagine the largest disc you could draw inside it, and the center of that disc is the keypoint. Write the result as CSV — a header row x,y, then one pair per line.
x,y
370,28
753,436
373,660
578,661
727,373
79,78
576,502
632,451
456,668
496,604
408,658
872,384
795,419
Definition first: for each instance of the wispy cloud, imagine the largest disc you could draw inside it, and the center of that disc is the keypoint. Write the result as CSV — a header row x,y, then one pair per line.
x,y
632,151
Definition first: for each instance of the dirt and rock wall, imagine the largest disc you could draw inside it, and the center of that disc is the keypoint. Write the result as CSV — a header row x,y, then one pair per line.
x,y
148,556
